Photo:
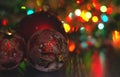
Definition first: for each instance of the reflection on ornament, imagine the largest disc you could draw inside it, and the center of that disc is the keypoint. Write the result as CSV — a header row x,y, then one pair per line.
x,y
47,50
11,50
9,32
38,21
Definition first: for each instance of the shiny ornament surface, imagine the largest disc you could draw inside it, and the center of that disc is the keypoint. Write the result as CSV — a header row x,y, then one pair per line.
x,y
38,21
47,50
11,50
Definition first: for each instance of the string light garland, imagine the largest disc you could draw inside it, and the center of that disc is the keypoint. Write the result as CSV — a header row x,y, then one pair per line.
x,y
82,21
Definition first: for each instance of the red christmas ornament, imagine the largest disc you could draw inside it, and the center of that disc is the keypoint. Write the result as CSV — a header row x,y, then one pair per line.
x,y
11,50
38,21
47,50
46,41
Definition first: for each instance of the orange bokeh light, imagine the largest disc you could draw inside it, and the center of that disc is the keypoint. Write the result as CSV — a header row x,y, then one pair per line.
x,y
116,39
71,46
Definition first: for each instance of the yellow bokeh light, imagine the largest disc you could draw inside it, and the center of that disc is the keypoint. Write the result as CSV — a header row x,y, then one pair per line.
x,y
23,7
66,27
88,15
38,2
103,8
95,19
83,15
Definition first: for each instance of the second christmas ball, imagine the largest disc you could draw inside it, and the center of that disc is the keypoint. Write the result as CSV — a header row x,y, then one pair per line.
x,y
47,50
12,48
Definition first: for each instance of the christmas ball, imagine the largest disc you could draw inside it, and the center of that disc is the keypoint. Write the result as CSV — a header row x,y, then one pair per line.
x,y
47,50
11,50
38,21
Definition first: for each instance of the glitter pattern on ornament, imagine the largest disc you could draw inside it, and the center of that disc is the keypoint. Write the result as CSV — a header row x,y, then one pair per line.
x,y
11,50
47,50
